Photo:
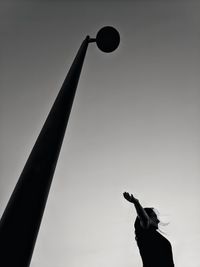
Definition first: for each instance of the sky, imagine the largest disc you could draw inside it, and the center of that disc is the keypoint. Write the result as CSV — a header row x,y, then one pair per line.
x,y
134,125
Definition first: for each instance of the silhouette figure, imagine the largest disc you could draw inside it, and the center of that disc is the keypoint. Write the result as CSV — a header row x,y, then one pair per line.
x,y
155,249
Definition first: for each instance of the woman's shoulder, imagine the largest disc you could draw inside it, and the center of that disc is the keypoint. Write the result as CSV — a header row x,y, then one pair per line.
x,y
139,228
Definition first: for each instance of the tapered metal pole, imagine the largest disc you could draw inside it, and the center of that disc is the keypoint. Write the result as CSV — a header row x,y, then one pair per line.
x,y
22,217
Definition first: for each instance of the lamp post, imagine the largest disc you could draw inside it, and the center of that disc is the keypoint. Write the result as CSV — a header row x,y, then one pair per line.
x,y
22,217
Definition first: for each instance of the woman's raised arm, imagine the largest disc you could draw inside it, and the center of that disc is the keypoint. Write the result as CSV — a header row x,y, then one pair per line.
x,y
143,216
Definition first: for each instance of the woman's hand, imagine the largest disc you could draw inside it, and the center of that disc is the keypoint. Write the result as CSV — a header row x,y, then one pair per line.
x,y
130,198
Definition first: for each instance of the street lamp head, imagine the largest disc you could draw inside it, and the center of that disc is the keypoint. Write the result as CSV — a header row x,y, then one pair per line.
x,y
107,39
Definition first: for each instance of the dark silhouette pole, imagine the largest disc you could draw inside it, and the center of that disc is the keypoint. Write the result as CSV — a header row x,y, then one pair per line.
x,y
22,217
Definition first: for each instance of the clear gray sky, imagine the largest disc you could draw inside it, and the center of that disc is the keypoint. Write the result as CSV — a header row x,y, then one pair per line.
x,y
134,124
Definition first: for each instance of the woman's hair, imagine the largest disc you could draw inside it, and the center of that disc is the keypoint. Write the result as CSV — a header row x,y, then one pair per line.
x,y
155,213
152,211
149,210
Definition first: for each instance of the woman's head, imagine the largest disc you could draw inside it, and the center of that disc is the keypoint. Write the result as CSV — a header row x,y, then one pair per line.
x,y
153,216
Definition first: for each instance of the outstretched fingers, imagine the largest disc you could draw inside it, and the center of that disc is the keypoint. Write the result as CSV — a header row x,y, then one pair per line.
x,y
127,196
130,197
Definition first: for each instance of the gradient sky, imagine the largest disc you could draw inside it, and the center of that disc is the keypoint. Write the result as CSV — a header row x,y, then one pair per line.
x,y
134,125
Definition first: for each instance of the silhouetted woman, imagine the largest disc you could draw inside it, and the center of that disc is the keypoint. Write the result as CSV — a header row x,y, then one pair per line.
x,y
155,249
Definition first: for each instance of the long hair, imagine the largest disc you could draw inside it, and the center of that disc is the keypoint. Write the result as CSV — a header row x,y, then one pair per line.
x,y
156,214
